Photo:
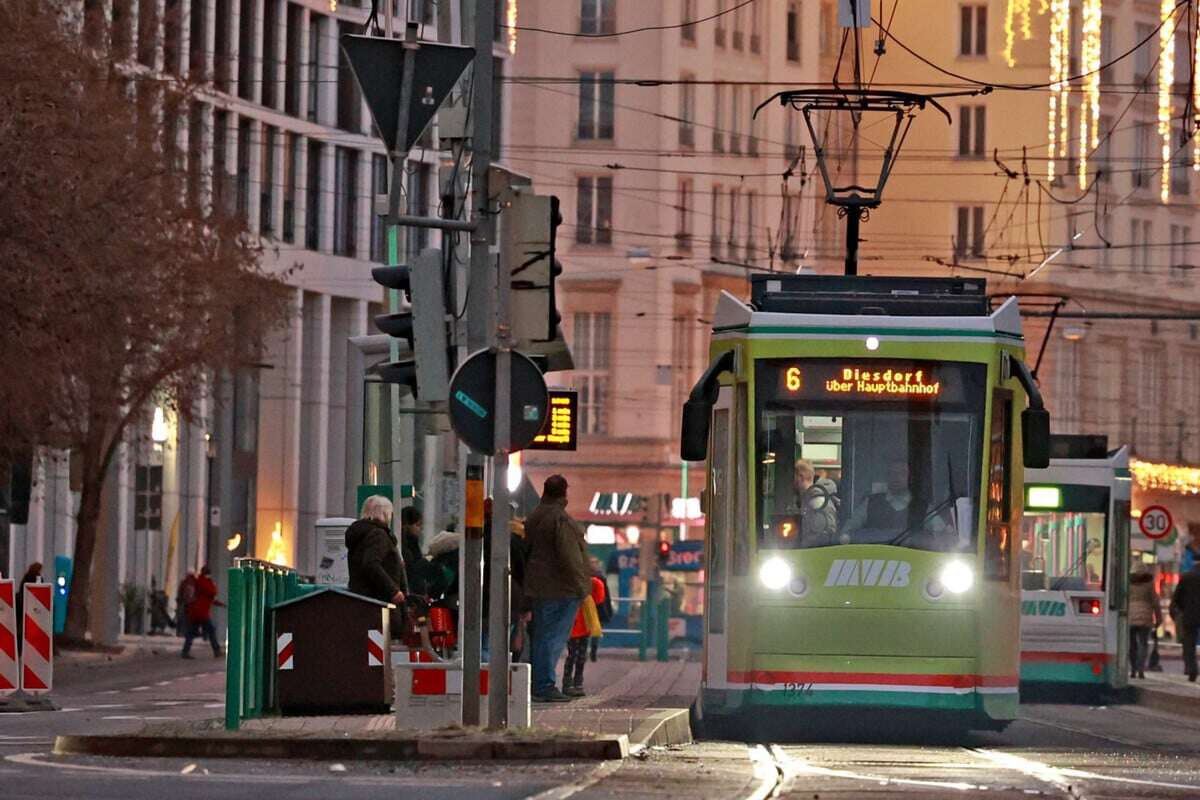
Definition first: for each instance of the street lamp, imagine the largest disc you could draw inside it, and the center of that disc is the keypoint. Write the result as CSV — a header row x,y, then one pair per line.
x,y
158,427
842,118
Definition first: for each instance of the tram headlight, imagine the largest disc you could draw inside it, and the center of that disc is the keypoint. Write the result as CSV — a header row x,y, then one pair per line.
x,y
957,577
775,573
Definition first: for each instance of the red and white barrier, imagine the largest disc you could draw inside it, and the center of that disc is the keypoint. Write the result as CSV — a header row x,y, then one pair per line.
x,y
429,696
37,653
284,651
10,673
375,645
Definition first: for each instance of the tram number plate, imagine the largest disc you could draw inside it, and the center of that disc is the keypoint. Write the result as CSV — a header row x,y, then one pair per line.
x,y
798,689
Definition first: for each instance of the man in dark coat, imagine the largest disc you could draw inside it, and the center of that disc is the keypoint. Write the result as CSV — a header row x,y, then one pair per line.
x,y
373,554
1185,609
416,568
557,578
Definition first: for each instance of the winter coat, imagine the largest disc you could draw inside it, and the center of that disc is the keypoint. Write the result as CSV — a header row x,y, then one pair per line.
x,y
373,557
604,609
818,524
200,609
558,560
580,628
1186,600
1143,600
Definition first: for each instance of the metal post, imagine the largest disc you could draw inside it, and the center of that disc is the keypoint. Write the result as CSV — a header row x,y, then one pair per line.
x,y
853,218
499,586
479,323
662,620
235,657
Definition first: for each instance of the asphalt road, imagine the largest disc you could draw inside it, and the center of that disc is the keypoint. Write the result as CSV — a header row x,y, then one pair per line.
x,y
1067,751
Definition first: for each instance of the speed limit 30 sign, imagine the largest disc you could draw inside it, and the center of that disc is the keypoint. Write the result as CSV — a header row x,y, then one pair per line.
x,y
1155,522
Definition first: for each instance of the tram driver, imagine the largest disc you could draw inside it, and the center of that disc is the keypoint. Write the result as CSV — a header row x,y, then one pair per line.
x,y
893,511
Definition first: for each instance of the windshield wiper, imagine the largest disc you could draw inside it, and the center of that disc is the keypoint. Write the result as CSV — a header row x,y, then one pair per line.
x,y
912,528
1079,562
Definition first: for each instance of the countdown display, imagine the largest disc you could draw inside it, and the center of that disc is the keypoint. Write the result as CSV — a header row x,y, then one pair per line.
x,y
562,422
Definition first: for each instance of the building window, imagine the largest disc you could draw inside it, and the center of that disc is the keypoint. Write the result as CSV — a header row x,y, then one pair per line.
x,y
197,52
1142,160
791,149
1140,232
593,210
344,200
312,197
597,16
735,203
1181,253
739,34
968,240
1103,154
683,226
714,237
719,24
825,41
688,31
735,119
718,137
751,210
755,124
793,32
291,168
246,59
270,54
316,30
1107,72
1181,168
172,31
973,30
220,44
972,128
349,100
590,350
291,64
687,111
379,187
148,486
1144,59
195,168
596,105
756,28
243,167
266,180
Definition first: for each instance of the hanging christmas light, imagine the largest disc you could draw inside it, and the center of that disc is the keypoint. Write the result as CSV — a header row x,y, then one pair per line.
x,y
1166,80
1089,111
1022,9
510,19
1060,51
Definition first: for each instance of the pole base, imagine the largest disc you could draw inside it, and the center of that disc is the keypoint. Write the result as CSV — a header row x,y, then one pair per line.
x,y
23,702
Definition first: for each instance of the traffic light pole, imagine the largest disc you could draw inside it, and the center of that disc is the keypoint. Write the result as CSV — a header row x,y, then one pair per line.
x,y
481,286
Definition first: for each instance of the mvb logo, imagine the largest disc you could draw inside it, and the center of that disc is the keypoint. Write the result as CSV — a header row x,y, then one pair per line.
x,y
868,572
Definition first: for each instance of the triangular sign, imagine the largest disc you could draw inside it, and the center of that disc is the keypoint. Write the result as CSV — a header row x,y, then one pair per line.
x,y
378,64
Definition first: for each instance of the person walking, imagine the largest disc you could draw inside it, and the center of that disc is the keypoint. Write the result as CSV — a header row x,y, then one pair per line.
x,y
373,558
556,581
604,607
586,628
183,598
199,613
1185,610
32,575
1145,614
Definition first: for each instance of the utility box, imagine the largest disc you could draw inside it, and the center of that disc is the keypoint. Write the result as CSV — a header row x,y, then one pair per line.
x,y
330,533
332,654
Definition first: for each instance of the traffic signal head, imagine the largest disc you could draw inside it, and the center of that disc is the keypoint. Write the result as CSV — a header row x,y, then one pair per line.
x,y
399,325
402,372
663,552
399,278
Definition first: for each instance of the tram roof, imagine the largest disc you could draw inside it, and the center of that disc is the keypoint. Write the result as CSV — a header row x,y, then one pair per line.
x,y
783,304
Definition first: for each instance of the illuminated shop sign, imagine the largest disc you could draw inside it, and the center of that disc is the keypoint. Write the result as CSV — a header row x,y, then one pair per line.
x,y
561,429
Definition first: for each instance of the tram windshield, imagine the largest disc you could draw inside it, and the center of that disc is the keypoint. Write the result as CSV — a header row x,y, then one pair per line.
x,y
858,451
1063,549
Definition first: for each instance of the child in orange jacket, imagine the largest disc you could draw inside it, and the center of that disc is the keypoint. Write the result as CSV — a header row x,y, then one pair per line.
x,y
577,645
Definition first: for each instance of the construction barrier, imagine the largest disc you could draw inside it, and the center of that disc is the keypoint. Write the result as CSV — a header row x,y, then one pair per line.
x,y
10,674
429,696
37,651
254,587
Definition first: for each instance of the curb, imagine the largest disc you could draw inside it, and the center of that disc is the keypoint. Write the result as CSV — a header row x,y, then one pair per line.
x,y
330,749
667,727
1172,702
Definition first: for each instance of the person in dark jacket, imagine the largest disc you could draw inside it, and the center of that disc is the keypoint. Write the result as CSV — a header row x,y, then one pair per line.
x,y
373,554
557,578
199,613
415,566
1185,609
604,609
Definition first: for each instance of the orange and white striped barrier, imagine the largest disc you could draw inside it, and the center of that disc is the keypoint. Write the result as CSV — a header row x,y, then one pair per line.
x,y
429,696
375,645
37,652
10,673
284,651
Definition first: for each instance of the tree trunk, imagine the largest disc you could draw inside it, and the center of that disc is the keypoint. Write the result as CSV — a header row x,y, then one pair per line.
x,y
97,453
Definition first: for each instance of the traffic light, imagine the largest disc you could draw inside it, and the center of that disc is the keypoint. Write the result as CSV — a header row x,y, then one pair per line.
x,y
529,226
425,370
664,553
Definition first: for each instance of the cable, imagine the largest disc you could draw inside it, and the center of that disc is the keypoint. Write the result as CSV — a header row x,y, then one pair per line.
x,y
687,24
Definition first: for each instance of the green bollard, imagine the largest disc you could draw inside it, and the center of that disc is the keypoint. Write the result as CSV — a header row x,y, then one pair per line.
x,y
253,635
662,621
291,582
268,635
260,607
235,657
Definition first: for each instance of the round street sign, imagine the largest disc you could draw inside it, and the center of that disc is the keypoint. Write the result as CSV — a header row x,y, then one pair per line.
x,y
473,402
1155,522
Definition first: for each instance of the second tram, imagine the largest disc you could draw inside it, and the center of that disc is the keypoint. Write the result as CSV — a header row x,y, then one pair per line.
x,y
1075,568
864,441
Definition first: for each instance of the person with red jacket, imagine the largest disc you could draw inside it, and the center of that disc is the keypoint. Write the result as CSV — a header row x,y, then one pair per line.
x,y
577,645
199,613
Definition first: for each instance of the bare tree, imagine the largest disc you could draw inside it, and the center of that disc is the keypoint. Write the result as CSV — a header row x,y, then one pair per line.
x,y
118,288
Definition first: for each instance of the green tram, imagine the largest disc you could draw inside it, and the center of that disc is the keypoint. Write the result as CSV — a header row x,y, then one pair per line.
x,y
864,440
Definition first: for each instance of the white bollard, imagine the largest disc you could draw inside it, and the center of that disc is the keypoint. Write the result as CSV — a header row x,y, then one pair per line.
x,y
37,649
10,673
429,696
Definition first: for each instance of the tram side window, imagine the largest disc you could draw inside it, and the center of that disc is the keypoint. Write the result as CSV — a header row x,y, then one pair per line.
x,y
1062,550
998,550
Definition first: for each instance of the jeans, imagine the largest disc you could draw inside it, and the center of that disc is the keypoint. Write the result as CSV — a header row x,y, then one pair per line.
x,y
1139,647
207,632
1187,637
553,620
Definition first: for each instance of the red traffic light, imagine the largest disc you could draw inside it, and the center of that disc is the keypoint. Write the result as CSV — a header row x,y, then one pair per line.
x,y
664,548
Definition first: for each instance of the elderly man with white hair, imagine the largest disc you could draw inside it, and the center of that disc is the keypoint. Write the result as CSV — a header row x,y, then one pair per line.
x,y
373,557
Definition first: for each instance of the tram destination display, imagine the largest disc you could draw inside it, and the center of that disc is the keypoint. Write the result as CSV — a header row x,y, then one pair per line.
x,y
872,380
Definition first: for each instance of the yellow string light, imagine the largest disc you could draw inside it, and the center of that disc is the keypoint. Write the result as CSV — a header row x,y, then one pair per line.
x,y
1023,9
1165,477
1060,50
510,19
1166,80
1089,111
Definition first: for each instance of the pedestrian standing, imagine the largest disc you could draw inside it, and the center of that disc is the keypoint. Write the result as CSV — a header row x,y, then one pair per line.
x,y
374,560
200,613
556,581
604,607
1145,614
32,575
416,568
1185,609
586,628
183,598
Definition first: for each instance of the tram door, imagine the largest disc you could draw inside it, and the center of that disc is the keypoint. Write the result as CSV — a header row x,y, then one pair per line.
x,y
719,491
1118,589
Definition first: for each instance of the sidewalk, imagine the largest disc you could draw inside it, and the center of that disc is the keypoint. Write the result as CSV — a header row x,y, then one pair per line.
x,y
631,705
1170,689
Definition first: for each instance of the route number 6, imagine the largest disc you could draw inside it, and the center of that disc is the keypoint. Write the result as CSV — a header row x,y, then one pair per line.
x,y
792,379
